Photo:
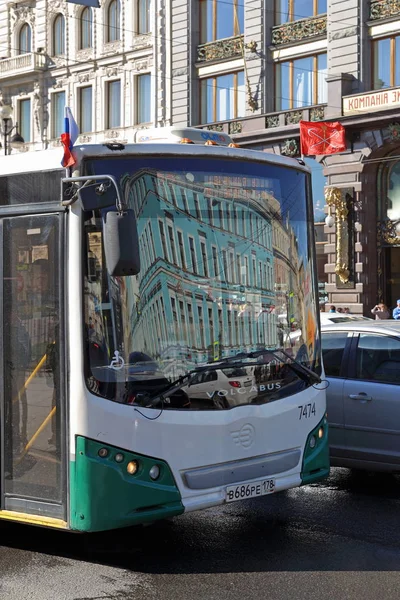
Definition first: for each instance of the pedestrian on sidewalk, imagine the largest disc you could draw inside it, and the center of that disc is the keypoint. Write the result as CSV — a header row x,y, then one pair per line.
x,y
381,312
396,311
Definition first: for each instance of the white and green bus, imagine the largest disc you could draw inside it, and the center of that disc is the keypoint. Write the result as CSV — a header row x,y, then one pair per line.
x,y
160,348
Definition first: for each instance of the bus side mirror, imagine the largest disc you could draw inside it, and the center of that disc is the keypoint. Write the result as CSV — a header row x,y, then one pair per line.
x,y
121,244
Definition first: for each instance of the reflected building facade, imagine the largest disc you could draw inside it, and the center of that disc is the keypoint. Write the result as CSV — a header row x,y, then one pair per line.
x,y
207,279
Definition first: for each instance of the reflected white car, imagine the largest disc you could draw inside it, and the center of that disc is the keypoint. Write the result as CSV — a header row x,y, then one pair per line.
x,y
227,387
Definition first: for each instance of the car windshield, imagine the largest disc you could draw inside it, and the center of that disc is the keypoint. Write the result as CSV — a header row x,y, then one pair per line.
x,y
237,372
227,268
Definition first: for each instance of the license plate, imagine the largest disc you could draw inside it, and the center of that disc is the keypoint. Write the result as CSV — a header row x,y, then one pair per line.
x,y
247,383
250,490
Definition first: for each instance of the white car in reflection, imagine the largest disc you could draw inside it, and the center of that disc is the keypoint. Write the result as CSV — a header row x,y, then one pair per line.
x,y
225,387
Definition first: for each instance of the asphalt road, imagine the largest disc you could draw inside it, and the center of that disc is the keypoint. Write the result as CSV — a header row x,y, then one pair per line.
x,y
336,540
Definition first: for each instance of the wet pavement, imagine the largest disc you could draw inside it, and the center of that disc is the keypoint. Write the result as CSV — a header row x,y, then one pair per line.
x,y
336,540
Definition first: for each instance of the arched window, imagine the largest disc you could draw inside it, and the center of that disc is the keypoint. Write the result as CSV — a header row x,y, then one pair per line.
x,y
86,38
143,16
59,35
24,39
113,21
392,203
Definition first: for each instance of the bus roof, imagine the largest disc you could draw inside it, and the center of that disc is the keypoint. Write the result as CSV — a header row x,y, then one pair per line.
x,y
50,160
175,135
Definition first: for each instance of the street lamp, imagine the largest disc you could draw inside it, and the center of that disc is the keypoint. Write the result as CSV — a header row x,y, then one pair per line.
x,y
6,129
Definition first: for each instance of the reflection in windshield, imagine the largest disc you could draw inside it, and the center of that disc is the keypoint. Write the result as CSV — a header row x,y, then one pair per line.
x,y
226,269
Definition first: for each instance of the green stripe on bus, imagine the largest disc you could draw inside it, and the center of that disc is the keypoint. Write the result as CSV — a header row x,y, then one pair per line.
x,y
105,496
316,460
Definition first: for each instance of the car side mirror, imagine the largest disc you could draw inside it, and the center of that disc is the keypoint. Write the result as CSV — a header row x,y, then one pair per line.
x,y
121,243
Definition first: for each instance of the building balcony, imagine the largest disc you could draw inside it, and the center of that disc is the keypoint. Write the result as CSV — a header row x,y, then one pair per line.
x,y
281,127
21,65
270,121
384,9
221,49
299,31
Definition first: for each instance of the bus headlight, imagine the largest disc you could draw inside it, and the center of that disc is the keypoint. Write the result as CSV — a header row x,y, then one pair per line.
x,y
313,441
154,472
321,432
119,457
132,467
103,452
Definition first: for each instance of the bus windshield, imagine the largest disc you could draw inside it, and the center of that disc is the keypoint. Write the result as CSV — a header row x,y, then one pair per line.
x,y
227,268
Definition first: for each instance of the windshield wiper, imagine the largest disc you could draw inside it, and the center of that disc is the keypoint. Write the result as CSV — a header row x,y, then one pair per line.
x,y
295,365
151,401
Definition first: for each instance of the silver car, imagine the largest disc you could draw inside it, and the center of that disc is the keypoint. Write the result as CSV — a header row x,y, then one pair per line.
x,y
362,365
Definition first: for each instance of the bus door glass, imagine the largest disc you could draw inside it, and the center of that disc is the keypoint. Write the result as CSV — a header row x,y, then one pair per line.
x,y
32,396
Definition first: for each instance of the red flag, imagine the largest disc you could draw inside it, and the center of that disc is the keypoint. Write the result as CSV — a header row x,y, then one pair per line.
x,y
321,138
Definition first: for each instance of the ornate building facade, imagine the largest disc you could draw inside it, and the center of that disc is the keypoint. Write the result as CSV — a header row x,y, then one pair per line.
x,y
253,69
315,60
106,64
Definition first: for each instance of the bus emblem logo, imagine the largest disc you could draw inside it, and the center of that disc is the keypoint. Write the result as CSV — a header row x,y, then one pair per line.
x,y
244,436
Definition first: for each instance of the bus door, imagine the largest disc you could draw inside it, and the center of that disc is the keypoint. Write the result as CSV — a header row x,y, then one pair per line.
x,y
32,366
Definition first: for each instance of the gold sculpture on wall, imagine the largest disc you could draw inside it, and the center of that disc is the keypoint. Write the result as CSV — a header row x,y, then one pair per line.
x,y
334,199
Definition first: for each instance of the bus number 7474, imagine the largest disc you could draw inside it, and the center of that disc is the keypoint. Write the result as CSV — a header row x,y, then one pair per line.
x,y
306,411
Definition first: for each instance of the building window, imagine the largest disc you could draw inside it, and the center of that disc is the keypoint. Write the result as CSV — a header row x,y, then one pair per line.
x,y
197,204
86,28
390,208
183,320
223,97
58,109
301,82
225,264
204,258
175,317
24,119
291,10
59,35
231,267
211,325
172,244
24,39
210,211
192,335
229,316
163,240
239,268
228,218
113,104
181,250
193,254
113,21
172,193
215,260
184,200
386,63
220,20
85,109
201,327
143,96
143,22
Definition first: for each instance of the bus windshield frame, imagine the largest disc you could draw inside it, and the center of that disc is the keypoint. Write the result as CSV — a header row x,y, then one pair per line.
x,y
228,267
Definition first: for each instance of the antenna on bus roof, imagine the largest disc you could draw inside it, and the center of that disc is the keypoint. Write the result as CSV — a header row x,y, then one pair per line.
x,y
92,3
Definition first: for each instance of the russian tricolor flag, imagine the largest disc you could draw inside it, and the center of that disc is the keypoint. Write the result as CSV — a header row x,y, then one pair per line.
x,y
68,138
